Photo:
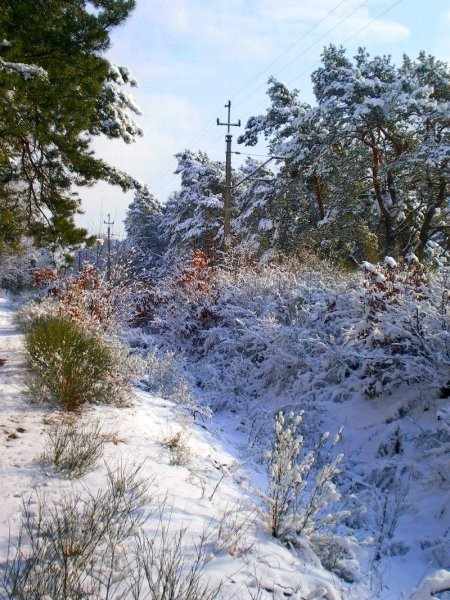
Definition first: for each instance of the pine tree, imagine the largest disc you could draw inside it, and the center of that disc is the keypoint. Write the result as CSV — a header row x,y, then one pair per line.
x,y
255,223
144,228
57,91
366,169
392,115
193,216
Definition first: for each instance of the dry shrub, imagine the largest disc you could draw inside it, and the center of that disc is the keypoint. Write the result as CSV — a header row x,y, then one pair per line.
x,y
74,447
178,447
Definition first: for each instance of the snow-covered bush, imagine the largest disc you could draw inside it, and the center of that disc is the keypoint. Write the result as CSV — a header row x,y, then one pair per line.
x,y
184,304
337,554
71,365
162,567
403,334
43,277
161,374
16,271
318,335
297,496
87,297
74,447
236,529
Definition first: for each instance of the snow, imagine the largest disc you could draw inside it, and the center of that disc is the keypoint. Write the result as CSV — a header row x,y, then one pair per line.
x,y
390,262
25,70
393,470
266,224
438,582
367,266
216,486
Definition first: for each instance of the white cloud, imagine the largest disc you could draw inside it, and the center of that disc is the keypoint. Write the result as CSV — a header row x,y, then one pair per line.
x,y
167,121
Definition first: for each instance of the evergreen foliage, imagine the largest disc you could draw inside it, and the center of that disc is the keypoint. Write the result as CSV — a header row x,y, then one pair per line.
x,y
193,215
57,91
143,224
366,170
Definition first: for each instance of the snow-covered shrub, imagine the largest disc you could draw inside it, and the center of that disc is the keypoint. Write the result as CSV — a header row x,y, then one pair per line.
x,y
184,304
25,316
87,297
71,365
318,335
337,554
161,374
298,496
271,334
403,335
235,530
72,446
43,277
96,545
196,279
16,272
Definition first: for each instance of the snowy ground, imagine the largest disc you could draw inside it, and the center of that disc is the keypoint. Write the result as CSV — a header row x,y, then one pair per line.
x,y
219,486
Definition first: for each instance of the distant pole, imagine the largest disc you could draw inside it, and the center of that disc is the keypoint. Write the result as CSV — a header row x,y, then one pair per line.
x,y
108,264
227,191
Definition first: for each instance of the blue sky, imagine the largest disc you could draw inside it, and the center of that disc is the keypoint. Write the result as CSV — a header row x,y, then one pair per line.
x,y
191,56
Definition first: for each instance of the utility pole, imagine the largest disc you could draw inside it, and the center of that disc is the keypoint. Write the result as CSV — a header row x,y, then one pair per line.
x,y
227,191
108,264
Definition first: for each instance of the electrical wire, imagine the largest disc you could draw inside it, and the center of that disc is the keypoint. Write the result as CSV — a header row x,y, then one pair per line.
x,y
275,60
166,169
306,49
165,172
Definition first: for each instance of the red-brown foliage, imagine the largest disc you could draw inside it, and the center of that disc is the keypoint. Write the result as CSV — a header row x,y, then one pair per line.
x,y
197,278
43,277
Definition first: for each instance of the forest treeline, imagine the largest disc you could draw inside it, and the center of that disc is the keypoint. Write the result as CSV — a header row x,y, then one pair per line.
x,y
362,172
365,171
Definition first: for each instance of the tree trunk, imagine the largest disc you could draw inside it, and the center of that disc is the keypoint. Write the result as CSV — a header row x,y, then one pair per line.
x,y
386,219
426,229
318,184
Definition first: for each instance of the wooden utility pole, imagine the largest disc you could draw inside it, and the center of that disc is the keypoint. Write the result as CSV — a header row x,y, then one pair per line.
x,y
227,191
108,264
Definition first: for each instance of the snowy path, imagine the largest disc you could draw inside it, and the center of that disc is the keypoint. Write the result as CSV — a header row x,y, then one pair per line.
x,y
20,426
11,353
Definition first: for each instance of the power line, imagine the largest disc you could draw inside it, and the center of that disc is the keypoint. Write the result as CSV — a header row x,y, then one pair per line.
x,y
310,67
211,121
354,34
252,154
166,171
275,60
307,49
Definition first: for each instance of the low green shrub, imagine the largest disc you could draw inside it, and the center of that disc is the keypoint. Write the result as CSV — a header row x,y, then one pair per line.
x,y
71,365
